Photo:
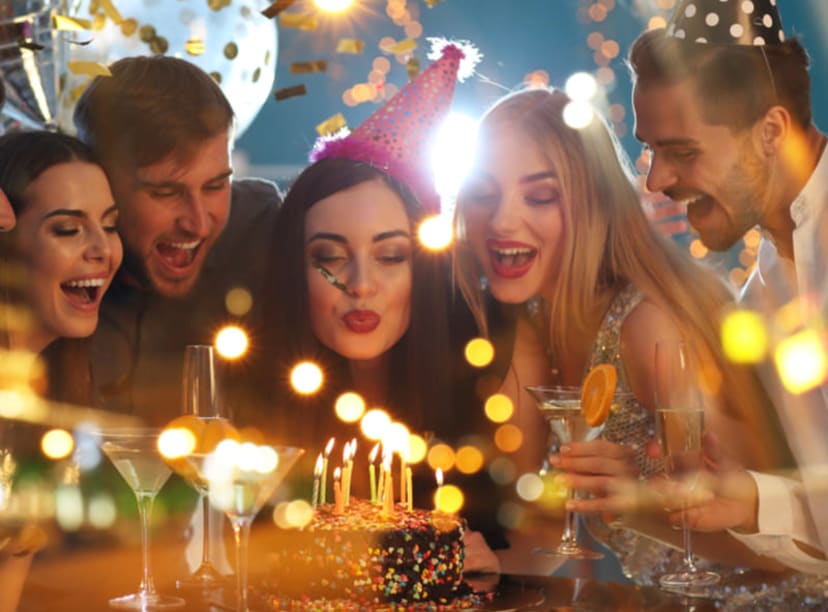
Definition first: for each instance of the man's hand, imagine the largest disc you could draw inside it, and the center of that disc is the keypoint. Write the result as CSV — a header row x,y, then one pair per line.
x,y
727,497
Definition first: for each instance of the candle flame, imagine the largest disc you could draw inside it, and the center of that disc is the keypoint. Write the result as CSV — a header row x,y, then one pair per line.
x,y
337,474
317,470
374,452
439,476
329,447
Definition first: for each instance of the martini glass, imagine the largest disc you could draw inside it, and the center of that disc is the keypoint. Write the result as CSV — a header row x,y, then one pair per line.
x,y
561,407
240,479
134,453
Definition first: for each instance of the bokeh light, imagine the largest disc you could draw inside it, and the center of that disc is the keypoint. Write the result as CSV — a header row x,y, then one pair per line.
x,y
57,443
441,456
238,301
508,438
436,232
231,342
448,499
396,438
101,512
744,338
349,407
293,514
69,508
581,87
306,378
469,459
801,361
499,408
529,487
502,470
375,423
479,352
577,115
417,448
176,442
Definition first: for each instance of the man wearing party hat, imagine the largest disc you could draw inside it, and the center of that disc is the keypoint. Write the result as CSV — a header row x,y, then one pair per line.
x,y
722,101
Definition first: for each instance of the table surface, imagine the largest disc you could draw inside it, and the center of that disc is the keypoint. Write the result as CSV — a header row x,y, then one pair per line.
x,y
86,579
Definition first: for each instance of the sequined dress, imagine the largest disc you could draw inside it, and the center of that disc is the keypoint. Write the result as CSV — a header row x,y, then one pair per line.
x,y
644,559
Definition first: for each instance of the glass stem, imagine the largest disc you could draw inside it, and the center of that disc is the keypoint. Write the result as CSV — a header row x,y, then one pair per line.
x,y
145,502
570,533
685,536
205,545
241,530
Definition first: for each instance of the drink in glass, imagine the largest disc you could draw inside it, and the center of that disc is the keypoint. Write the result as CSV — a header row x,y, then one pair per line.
x,y
134,453
240,479
561,407
679,426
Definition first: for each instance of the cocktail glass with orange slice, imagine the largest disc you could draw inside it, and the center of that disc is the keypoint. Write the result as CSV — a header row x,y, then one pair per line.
x,y
576,414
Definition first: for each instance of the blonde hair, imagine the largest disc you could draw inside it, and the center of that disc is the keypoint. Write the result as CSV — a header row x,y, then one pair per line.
x,y
608,242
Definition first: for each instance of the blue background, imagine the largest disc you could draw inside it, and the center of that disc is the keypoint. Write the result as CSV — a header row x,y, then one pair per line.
x,y
516,37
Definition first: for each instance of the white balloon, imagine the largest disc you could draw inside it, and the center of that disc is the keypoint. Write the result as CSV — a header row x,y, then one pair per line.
x,y
232,41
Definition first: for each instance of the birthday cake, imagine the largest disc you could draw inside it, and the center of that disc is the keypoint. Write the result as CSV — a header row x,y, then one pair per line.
x,y
372,559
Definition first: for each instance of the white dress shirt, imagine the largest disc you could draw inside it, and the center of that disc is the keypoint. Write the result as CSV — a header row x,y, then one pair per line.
x,y
796,509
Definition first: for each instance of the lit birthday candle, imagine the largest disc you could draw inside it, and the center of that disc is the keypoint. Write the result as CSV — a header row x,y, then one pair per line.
x,y
317,474
372,472
388,506
409,488
439,477
323,487
339,504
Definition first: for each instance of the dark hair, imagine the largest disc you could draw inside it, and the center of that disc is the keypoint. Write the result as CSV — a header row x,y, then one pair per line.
x,y
24,156
735,84
418,356
148,108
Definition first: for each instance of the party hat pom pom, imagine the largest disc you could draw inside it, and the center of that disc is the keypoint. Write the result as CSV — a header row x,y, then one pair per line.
x,y
463,50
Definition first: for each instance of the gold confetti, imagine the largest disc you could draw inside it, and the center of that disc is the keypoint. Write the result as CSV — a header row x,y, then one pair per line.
x,y
276,8
290,92
331,125
306,67
412,68
216,77
31,45
129,27
217,5
111,11
298,21
194,46
99,22
159,45
256,74
350,45
146,33
231,50
404,46
61,22
75,92
90,68
432,3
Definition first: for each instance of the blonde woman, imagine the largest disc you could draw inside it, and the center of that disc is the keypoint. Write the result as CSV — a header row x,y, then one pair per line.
x,y
551,219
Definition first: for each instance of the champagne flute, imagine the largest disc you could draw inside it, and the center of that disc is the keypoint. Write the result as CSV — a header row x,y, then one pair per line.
x,y
134,453
561,407
679,426
200,399
241,478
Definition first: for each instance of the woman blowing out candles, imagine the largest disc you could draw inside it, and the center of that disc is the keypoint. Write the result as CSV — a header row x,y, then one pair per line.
x,y
360,297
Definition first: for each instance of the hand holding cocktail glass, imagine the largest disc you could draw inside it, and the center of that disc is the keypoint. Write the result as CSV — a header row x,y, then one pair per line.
x,y
576,414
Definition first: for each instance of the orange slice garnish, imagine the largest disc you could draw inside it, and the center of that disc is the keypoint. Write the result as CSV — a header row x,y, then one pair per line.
x,y
597,393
